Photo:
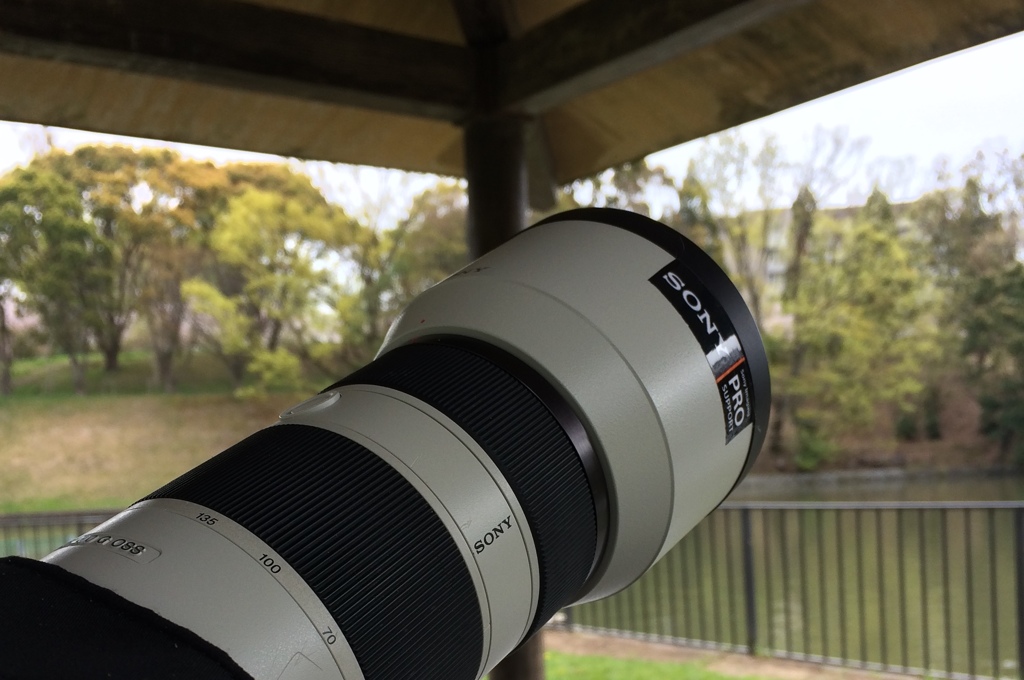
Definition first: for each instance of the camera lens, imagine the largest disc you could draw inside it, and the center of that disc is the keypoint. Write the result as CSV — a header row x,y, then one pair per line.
x,y
537,430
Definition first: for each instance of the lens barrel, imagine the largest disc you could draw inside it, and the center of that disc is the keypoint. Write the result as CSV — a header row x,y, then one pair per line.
x,y
536,431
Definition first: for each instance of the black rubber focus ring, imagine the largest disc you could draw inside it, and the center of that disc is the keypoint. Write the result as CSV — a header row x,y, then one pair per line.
x,y
361,536
493,403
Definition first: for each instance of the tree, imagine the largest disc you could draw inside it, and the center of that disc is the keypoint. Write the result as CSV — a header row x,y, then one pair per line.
x,y
63,265
634,186
433,245
831,160
784,407
386,269
187,197
8,300
15,235
115,189
694,218
863,319
971,251
272,244
964,238
186,200
742,189
993,323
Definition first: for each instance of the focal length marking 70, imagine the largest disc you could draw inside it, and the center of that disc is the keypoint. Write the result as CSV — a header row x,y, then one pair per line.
x,y
717,337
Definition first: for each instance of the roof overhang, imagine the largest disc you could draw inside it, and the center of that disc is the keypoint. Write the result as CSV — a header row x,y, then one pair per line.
x,y
392,82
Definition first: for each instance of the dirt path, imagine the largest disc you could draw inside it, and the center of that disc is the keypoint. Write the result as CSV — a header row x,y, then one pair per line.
x,y
726,663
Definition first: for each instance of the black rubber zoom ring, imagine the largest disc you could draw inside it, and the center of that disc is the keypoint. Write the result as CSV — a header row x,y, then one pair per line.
x,y
514,426
364,540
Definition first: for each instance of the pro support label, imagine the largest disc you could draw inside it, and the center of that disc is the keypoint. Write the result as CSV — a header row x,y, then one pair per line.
x,y
717,337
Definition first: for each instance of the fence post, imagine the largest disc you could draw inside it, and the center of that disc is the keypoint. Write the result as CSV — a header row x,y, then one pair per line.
x,y
748,581
1018,526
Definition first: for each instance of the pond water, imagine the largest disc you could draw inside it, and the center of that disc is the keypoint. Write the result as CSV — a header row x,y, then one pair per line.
x,y
926,590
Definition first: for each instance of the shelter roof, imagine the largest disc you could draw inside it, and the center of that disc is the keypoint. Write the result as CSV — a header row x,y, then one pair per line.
x,y
392,82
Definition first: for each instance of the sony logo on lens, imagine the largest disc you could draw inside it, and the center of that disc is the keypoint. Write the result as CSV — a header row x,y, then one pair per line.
x,y
694,303
492,535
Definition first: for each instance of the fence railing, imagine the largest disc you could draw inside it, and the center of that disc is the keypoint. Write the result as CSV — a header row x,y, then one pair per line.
x,y
924,588
38,534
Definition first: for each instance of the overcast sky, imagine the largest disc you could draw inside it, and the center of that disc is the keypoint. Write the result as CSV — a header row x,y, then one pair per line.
x,y
947,107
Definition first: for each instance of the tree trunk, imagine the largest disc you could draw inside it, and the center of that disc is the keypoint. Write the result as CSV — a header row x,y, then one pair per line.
x,y
276,325
525,663
164,324
236,367
163,362
776,442
6,381
6,354
110,346
111,362
77,374
785,408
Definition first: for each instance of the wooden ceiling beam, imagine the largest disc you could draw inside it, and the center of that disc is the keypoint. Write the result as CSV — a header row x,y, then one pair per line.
x,y
245,46
484,23
603,41
487,24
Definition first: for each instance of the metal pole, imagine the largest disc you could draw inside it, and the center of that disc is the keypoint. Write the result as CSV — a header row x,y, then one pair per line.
x,y
495,157
1018,521
969,593
748,581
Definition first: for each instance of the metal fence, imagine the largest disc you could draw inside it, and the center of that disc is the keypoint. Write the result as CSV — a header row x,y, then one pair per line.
x,y
35,535
924,588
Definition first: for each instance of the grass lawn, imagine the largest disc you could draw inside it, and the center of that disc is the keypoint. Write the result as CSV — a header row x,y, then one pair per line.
x,y
560,666
59,451
75,453
51,375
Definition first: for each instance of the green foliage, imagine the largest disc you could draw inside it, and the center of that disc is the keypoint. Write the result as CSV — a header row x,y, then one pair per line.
x,y
249,263
814,448
906,427
630,186
749,231
388,268
695,219
222,320
1003,417
933,414
862,317
275,370
993,320
803,212
47,376
113,184
56,258
268,248
433,244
